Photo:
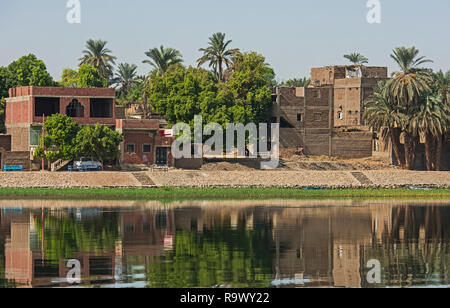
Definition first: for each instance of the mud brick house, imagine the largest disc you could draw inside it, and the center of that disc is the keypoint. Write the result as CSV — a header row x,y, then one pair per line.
x,y
326,117
27,107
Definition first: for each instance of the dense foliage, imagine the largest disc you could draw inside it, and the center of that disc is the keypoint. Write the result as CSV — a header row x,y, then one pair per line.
x,y
185,92
26,71
65,139
413,104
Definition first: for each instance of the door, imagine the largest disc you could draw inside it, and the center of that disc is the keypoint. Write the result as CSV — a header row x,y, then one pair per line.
x,y
161,156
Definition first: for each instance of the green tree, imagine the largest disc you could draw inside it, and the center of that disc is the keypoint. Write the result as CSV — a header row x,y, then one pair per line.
x,y
185,92
99,142
381,113
357,59
125,78
30,71
405,88
2,114
441,84
181,93
89,77
431,117
98,56
161,59
7,81
60,133
217,54
69,78
249,88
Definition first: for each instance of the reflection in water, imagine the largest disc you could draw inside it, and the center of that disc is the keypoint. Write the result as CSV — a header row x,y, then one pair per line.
x,y
217,245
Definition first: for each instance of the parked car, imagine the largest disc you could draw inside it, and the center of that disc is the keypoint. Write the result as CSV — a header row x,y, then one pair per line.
x,y
87,164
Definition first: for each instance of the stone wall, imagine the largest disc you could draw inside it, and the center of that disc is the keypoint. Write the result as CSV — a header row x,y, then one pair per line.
x,y
352,144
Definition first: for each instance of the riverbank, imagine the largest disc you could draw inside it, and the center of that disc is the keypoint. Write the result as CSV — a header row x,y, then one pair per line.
x,y
170,193
370,179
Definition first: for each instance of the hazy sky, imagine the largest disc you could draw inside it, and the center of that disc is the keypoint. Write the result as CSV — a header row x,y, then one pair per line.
x,y
293,35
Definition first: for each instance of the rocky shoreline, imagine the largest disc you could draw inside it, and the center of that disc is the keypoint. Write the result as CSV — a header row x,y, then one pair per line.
x,y
232,179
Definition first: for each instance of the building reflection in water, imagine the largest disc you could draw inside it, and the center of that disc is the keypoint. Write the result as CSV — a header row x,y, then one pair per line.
x,y
219,244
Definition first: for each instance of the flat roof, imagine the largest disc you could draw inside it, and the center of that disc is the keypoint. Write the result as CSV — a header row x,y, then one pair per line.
x,y
62,92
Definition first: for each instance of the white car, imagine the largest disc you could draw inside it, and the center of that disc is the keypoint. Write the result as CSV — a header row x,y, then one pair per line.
x,y
87,164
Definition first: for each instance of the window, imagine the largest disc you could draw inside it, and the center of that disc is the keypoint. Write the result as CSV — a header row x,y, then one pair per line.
x,y
340,115
101,107
146,148
35,135
299,117
130,149
316,93
75,109
46,106
317,117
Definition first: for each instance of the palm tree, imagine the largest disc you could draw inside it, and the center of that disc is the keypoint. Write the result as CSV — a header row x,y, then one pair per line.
x,y
411,81
381,113
217,54
357,59
163,58
98,56
406,87
125,78
431,118
442,81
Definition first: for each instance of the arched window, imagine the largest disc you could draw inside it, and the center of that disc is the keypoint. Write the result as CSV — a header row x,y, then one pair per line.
x,y
75,109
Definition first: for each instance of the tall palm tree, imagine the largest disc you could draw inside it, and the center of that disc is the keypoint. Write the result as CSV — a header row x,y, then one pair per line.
x,y
381,113
217,54
411,81
431,117
163,58
98,56
405,88
357,59
125,78
442,81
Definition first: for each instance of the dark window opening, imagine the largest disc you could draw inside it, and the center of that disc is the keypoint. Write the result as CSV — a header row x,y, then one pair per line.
x,y
285,124
130,149
101,107
46,269
146,227
146,148
161,220
46,106
100,266
299,117
75,109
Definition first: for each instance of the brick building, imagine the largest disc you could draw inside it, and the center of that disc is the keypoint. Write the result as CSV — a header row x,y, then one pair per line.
x,y
144,143
326,117
27,107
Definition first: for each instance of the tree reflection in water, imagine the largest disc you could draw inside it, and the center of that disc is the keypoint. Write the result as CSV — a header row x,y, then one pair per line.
x,y
228,245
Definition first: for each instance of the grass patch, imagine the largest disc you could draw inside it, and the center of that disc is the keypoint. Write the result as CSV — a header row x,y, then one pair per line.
x,y
169,193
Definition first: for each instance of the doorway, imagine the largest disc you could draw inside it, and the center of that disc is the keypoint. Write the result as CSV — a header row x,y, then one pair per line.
x,y
161,156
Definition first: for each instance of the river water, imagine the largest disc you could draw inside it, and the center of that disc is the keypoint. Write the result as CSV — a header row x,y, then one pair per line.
x,y
224,244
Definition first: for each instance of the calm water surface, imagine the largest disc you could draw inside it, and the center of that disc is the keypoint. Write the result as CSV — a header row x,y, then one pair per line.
x,y
224,244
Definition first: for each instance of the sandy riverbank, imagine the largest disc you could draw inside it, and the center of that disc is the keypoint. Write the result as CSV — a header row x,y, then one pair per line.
x,y
282,179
